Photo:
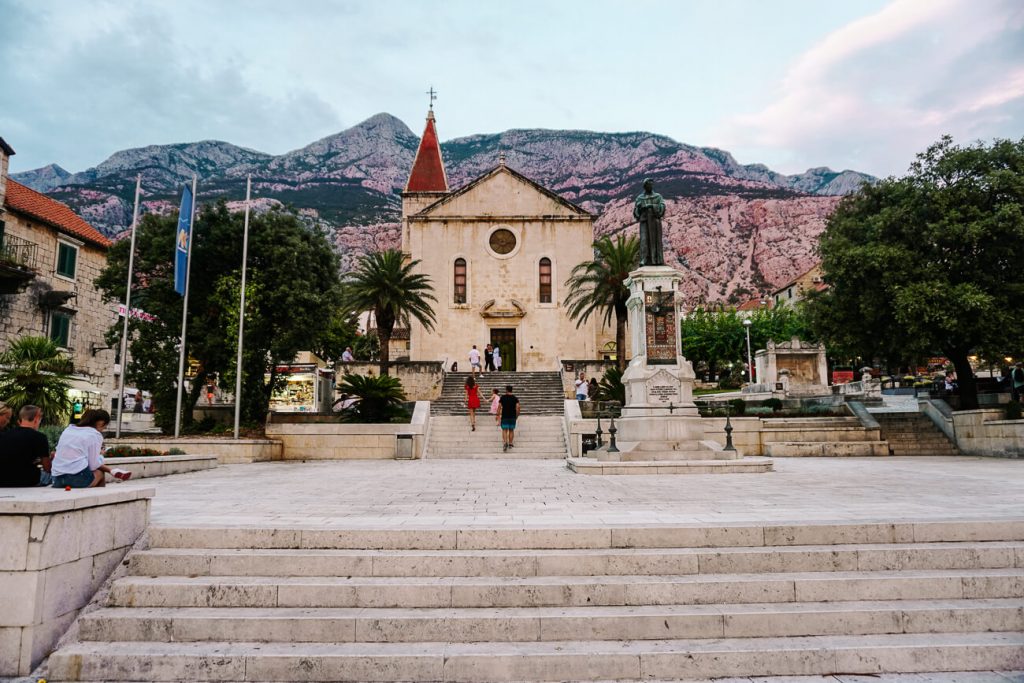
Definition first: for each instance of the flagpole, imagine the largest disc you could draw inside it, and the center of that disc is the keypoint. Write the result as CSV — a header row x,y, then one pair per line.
x,y
127,309
184,311
241,310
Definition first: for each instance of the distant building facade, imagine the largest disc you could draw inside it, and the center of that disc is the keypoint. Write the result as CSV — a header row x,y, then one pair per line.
x,y
796,290
49,260
498,251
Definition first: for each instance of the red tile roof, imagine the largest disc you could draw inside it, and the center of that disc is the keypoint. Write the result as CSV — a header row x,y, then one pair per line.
x,y
755,304
37,205
428,169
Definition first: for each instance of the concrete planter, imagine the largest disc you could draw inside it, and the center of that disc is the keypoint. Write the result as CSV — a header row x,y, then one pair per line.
x,y
345,441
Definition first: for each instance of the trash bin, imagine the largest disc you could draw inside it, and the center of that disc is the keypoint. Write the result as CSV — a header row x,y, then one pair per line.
x,y
403,447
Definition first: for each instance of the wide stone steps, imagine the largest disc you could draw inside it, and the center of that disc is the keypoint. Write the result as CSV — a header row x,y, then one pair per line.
x,y
536,437
649,622
563,591
569,562
540,393
536,661
560,603
914,434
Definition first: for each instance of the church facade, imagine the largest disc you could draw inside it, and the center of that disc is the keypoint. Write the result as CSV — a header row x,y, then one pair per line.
x,y
498,251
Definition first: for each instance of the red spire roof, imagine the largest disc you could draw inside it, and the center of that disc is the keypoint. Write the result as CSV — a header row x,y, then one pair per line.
x,y
428,169
31,203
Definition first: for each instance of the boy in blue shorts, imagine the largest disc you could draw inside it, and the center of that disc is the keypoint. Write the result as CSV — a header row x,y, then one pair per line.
x,y
509,406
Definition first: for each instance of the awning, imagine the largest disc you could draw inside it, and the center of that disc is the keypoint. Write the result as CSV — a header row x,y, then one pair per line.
x,y
84,385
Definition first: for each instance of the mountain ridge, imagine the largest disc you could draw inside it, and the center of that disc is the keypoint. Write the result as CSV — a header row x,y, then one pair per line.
x,y
762,225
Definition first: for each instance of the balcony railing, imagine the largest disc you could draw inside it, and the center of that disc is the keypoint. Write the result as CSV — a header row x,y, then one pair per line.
x,y
18,252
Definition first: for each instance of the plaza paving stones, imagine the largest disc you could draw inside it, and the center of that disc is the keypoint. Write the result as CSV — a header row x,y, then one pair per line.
x,y
472,493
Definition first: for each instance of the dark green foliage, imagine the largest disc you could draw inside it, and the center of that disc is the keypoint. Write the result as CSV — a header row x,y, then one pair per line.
x,y
597,287
930,263
715,338
292,288
384,283
52,433
380,398
774,403
34,371
610,387
132,452
739,406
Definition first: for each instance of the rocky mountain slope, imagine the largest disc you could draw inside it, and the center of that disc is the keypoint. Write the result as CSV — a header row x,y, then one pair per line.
x,y
739,230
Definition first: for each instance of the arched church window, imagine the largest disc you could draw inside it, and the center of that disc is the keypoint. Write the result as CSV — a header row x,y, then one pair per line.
x,y
545,280
460,280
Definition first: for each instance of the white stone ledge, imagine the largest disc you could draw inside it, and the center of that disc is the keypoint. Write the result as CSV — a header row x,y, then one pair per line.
x,y
46,500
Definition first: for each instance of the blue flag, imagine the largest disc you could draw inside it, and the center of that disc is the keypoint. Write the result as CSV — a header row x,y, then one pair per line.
x,y
181,242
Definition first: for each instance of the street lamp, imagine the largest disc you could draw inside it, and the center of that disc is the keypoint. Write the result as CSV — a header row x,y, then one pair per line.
x,y
750,366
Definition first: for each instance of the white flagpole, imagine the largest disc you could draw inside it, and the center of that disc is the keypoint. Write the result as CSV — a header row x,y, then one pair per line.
x,y
241,310
127,310
184,311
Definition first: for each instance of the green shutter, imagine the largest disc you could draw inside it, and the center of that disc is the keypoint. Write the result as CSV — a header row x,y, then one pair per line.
x,y
60,329
67,256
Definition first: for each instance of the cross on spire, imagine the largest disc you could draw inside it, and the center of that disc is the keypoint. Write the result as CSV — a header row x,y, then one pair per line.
x,y
433,96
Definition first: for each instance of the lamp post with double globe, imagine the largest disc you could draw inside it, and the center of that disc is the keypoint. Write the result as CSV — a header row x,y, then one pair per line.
x,y
750,366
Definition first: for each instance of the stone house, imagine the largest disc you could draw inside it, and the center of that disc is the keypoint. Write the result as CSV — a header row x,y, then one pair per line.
x,y
49,260
796,289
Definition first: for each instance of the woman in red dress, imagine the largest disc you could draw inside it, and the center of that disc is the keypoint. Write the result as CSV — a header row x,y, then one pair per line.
x,y
472,401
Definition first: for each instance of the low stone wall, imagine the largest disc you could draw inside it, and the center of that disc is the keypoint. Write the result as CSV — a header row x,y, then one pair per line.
x,y
984,432
421,380
147,466
227,451
746,433
347,441
56,548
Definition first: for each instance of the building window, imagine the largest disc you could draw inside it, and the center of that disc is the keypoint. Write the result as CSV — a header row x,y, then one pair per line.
x,y
460,280
60,328
545,280
67,259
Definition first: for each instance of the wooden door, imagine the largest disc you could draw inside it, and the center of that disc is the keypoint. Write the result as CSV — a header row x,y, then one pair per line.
x,y
505,339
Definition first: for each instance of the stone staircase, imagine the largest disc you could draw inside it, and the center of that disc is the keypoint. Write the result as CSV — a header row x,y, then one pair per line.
x,y
537,436
540,393
553,604
914,434
830,437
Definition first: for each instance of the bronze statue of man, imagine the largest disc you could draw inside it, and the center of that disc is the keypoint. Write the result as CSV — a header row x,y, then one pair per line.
x,y
648,209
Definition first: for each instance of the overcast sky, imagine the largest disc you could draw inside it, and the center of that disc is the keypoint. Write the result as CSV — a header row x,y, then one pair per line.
x,y
790,83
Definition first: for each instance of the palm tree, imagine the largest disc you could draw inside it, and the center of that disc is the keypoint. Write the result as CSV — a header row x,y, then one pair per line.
x,y
34,371
598,286
385,284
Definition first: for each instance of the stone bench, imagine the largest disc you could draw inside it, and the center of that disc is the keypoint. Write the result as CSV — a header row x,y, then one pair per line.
x,y
161,465
56,549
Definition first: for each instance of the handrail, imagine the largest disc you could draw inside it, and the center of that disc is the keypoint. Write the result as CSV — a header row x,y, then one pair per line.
x,y
18,251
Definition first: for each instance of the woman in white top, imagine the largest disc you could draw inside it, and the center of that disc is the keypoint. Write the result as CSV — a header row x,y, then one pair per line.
x,y
78,462
497,358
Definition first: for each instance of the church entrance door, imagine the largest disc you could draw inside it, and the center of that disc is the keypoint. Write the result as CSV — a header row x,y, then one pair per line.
x,y
505,338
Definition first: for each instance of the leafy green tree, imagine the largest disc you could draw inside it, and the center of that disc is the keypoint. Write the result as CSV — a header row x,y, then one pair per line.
x,y
932,261
597,287
35,372
716,337
388,286
292,288
380,398
611,388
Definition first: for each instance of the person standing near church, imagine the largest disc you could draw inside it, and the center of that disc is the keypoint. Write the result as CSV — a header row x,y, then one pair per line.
x,y
496,358
489,358
474,360
582,388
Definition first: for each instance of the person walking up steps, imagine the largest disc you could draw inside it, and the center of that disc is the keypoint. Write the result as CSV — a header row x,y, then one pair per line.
x,y
472,401
474,360
509,415
488,358
496,406
496,359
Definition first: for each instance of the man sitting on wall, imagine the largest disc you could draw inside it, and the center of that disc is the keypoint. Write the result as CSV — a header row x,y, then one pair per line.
x,y
23,450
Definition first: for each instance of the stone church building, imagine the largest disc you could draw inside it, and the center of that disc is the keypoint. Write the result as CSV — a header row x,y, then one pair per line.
x,y
498,251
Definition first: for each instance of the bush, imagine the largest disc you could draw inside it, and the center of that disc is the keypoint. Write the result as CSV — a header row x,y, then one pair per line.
x,y
52,433
1013,410
774,403
739,406
611,388
760,410
175,451
379,399
730,382
131,452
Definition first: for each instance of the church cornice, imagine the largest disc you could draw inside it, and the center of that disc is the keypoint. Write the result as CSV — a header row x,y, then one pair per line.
x,y
417,218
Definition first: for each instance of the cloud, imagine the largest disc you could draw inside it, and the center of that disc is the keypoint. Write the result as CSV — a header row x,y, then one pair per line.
x,y
880,89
